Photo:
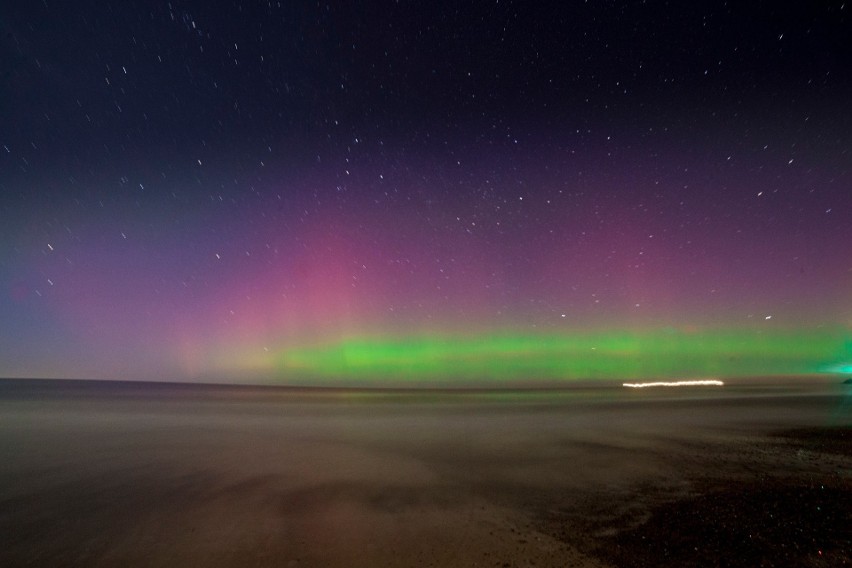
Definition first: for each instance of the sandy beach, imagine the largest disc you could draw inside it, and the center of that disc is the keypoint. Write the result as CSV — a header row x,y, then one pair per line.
x,y
158,475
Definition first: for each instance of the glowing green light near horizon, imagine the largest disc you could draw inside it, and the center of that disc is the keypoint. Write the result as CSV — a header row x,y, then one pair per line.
x,y
600,356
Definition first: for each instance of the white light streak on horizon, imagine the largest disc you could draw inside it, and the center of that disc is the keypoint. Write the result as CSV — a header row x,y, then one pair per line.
x,y
712,383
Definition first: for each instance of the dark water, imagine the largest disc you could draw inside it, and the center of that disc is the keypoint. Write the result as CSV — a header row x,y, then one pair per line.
x,y
158,474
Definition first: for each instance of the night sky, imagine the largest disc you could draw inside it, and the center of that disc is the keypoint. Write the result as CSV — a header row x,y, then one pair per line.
x,y
306,193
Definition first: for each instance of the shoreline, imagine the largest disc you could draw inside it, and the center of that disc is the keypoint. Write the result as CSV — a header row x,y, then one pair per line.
x,y
590,479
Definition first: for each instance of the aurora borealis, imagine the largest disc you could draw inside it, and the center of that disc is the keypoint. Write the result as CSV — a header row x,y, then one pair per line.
x,y
584,356
424,194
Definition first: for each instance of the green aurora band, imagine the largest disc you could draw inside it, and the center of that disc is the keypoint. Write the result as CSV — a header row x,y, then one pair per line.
x,y
551,358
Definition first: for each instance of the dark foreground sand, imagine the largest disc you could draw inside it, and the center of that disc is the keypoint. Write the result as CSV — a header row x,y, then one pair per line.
x,y
169,476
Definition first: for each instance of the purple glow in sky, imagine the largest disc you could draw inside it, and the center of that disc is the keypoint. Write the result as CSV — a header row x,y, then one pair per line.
x,y
185,188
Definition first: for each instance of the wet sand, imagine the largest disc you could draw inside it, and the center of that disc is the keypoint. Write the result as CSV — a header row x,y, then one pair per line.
x,y
159,475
